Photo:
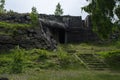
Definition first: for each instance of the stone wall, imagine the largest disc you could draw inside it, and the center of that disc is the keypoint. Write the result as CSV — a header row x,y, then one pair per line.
x,y
15,17
81,35
88,23
27,38
75,30
33,37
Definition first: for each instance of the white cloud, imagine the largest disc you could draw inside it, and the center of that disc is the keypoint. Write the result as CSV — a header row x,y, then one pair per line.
x,y
70,7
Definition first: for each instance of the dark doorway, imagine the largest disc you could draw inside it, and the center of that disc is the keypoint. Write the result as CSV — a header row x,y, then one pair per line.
x,y
58,35
61,35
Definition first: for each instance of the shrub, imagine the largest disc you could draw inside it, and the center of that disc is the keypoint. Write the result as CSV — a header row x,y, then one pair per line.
x,y
118,44
4,65
17,64
43,54
64,58
34,17
112,58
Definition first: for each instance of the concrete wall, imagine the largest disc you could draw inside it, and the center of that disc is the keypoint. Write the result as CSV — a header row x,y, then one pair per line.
x,y
75,30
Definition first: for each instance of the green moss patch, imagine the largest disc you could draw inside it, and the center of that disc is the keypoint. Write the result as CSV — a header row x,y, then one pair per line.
x,y
13,25
9,28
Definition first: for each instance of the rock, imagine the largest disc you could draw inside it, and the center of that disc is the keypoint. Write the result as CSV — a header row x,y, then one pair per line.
x,y
29,38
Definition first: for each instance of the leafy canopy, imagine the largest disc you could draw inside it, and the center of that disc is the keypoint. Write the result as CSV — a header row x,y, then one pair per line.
x,y
102,13
2,3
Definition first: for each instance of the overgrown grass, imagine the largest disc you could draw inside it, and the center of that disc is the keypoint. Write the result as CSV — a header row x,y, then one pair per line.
x,y
65,75
58,65
112,58
17,63
9,28
87,48
37,58
118,44
13,25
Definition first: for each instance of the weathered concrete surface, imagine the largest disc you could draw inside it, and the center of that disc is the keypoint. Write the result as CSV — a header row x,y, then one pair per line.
x,y
53,23
63,29
28,38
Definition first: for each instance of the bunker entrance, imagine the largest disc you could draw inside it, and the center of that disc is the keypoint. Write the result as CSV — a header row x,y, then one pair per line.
x,y
59,35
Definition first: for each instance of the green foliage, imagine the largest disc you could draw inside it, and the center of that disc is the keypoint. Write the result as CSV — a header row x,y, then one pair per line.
x,y
39,60
10,28
63,58
43,65
17,64
43,59
4,64
13,25
112,58
66,58
78,74
34,17
117,44
102,13
2,3
43,54
59,10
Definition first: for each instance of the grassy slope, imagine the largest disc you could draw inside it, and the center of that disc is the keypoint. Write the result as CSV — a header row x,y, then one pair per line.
x,y
8,28
65,75
49,68
13,25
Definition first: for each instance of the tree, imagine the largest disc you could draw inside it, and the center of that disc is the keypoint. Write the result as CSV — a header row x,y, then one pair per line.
x,y
34,17
102,13
59,10
2,3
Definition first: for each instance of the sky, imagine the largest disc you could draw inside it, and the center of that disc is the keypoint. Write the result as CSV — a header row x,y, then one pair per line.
x,y
70,7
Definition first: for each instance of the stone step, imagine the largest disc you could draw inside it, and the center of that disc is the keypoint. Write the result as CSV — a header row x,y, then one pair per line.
x,y
93,62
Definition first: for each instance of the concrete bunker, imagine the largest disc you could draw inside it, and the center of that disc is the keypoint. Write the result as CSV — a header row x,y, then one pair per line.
x,y
59,35
69,29
56,29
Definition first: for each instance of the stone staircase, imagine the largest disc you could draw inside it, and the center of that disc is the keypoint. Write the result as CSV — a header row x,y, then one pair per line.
x,y
93,62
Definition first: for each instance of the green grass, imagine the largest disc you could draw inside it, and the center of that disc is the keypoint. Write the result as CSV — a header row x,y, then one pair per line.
x,y
36,58
79,74
84,48
112,58
75,75
58,65
13,25
10,28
